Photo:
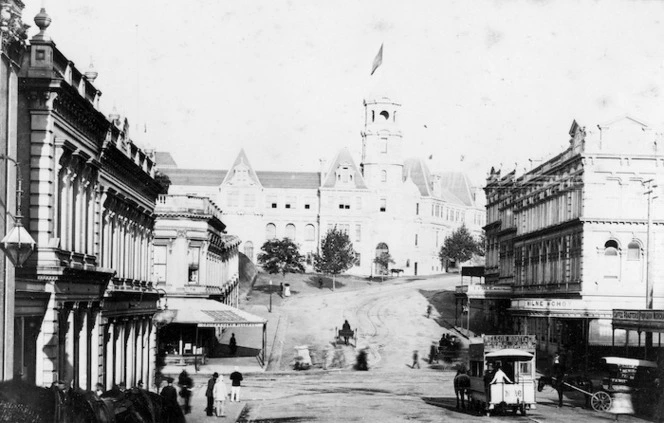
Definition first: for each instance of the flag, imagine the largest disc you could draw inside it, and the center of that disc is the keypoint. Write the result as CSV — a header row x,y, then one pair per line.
x,y
378,60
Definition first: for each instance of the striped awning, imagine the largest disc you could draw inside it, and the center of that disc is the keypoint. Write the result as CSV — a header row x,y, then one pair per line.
x,y
205,312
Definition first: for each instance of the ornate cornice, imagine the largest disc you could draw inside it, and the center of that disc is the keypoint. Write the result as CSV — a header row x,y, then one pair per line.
x,y
82,115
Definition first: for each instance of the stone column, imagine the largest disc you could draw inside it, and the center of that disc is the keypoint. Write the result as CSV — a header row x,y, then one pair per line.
x,y
146,353
109,373
131,353
67,371
119,359
139,350
95,340
83,345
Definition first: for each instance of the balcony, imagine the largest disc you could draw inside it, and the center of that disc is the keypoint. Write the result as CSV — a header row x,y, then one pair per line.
x,y
186,205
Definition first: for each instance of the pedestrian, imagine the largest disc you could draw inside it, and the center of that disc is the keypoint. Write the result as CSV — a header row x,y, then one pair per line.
x,y
99,389
139,384
433,353
233,344
209,394
219,393
169,393
320,282
186,384
236,377
281,289
416,360
429,310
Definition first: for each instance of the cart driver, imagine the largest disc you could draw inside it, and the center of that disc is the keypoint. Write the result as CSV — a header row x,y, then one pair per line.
x,y
499,376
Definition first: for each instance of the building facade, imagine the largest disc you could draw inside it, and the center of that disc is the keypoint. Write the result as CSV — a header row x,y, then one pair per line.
x,y
570,237
386,203
84,300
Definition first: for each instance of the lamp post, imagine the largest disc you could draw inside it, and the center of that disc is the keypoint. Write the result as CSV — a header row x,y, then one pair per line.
x,y
270,295
17,244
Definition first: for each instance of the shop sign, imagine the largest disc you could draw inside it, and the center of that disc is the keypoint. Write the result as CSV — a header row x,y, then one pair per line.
x,y
501,342
549,304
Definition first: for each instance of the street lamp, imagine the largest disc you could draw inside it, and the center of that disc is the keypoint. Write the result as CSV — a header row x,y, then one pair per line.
x,y
17,244
650,186
270,295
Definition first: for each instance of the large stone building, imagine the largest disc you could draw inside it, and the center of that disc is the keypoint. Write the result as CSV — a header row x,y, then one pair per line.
x,y
84,300
386,203
567,241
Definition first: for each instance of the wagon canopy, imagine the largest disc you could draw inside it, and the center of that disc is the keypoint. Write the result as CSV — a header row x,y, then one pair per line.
x,y
518,355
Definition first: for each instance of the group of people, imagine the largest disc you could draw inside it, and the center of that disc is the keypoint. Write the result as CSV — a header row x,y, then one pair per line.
x,y
217,392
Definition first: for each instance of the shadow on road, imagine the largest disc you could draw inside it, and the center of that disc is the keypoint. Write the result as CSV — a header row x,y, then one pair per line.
x,y
323,282
448,403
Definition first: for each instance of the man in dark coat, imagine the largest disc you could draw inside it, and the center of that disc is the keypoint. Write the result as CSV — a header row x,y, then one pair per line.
x,y
169,393
236,377
233,344
209,394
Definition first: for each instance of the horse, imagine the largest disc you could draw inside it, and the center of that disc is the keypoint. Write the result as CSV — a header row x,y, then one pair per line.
x,y
461,388
396,272
559,384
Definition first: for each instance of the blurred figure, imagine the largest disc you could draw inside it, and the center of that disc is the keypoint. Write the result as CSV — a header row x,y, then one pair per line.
x,y
219,393
416,360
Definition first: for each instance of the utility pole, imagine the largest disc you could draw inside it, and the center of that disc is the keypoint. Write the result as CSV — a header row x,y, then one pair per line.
x,y
650,188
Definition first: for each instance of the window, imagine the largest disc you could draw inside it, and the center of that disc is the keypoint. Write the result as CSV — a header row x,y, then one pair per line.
x,y
611,259
309,233
358,233
345,228
383,176
194,263
416,240
357,259
232,198
383,204
633,251
383,145
358,202
290,203
290,231
270,231
344,203
417,208
271,201
307,206
160,253
250,200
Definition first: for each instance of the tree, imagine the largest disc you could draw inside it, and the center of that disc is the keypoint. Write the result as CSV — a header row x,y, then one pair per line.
x,y
383,260
336,254
460,246
281,256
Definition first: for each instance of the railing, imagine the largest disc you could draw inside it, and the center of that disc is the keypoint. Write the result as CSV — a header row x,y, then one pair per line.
x,y
187,204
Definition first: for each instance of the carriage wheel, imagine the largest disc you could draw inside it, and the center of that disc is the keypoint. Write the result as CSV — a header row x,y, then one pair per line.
x,y
600,401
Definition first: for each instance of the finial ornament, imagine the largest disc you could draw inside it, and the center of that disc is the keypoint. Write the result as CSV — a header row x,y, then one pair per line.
x,y
43,21
91,73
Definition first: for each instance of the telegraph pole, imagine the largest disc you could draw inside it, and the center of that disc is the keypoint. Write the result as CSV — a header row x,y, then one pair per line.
x,y
650,188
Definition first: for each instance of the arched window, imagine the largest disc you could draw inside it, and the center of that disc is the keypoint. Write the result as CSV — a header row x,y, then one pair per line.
x,y
249,250
385,115
290,231
611,259
634,251
383,176
309,233
270,231
381,268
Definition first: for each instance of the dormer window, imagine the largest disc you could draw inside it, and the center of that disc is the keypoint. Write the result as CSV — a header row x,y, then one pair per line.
x,y
344,174
385,114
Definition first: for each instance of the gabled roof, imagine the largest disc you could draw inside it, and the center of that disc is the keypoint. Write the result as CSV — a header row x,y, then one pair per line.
x,y
196,177
344,158
419,173
292,180
241,161
457,184
164,160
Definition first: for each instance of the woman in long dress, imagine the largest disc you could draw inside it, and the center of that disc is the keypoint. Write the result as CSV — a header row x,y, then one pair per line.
x,y
220,393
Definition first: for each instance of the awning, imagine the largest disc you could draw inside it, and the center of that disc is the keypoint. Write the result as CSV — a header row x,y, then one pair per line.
x,y
511,353
210,313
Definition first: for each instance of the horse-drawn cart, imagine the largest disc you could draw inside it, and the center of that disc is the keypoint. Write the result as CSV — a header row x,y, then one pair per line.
x,y
515,356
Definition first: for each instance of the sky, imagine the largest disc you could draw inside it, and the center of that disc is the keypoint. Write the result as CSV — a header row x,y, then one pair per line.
x,y
481,83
